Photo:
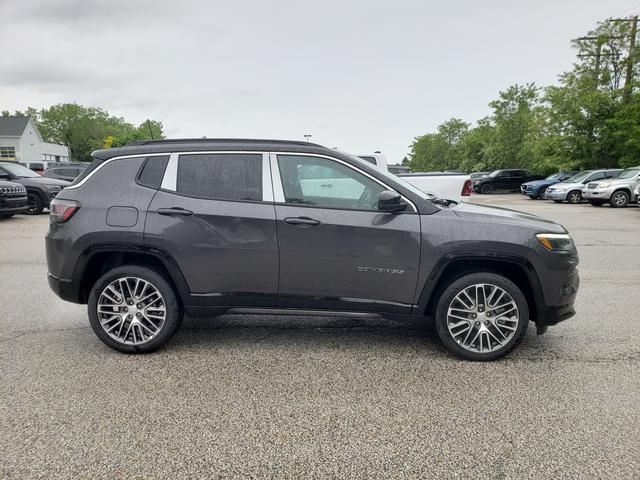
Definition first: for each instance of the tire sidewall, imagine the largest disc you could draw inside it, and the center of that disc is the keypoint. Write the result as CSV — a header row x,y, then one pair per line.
x,y
487,188
454,288
39,205
571,193
173,309
614,205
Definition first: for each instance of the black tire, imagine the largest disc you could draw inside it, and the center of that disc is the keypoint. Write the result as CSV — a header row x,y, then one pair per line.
x,y
574,197
480,278
486,189
619,199
541,193
532,197
174,312
596,203
36,206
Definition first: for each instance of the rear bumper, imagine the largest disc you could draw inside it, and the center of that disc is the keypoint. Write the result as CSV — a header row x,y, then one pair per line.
x,y
67,289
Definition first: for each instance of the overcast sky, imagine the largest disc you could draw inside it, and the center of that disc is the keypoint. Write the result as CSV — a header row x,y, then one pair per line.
x,y
361,75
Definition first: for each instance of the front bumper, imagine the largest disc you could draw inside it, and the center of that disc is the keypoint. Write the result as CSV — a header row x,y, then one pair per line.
x,y
11,206
555,195
601,194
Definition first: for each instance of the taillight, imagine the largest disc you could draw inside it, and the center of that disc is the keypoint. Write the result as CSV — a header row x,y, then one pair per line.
x,y
61,210
466,188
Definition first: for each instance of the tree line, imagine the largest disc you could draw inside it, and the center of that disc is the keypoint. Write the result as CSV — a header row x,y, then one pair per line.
x,y
85,129
591,119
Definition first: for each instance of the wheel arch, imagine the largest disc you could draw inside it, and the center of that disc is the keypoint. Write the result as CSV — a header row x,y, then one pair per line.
x,y
98,259
453,266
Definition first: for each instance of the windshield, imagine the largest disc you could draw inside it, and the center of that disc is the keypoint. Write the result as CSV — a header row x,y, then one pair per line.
x,y
19,170
632,172
554,176
495,173
579,177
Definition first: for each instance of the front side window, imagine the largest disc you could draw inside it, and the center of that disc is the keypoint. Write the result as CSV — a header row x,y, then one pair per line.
x,y
597,176
221,176
320,182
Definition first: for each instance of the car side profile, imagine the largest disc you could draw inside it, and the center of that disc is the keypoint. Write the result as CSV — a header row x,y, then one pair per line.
x,y
617,192
40,190
537,188
570,190
158,229
497,180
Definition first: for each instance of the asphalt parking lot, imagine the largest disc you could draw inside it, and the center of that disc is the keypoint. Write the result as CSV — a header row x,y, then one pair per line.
x,y
298,398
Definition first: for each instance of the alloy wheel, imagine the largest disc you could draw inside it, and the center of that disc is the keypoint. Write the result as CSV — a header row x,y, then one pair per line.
x,y
482,318
131,310
619,199
575,197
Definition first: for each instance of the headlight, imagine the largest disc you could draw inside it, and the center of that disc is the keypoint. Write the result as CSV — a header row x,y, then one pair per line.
x,y
603,185
560,189
556,242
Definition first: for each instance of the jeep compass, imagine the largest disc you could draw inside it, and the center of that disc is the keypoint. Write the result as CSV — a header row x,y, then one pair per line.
x,y
158,229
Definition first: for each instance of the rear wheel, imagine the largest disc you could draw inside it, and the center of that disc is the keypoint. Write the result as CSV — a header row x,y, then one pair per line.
x,y
134,309
34,202
481,316
619,199
574,196
486,188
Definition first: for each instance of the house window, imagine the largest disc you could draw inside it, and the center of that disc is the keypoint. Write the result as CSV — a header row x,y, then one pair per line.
x,y
8,153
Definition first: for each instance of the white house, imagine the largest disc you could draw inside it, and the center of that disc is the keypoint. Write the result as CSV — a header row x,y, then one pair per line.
x,y
20,141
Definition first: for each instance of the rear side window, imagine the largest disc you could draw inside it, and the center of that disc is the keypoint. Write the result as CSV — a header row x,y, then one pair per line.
x,y
221,176
152,171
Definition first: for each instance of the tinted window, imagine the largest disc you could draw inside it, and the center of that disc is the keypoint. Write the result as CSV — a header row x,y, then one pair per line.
x,y
325,183
152,171
222,176
597,176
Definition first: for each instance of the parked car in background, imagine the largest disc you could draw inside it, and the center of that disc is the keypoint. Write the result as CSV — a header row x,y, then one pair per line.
x,y
454,186
571,189
67,171
157,229
510,179
537,188
618,192
396,169
13,199
40,190
476,175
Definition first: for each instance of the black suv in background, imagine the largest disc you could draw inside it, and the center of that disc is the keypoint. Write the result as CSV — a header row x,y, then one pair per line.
x,y
68,172
156,229
40,190
503,180
13,199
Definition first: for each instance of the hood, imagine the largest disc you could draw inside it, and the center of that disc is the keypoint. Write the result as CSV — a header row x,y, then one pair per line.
x,y
541,183
505,215
5,183
35,181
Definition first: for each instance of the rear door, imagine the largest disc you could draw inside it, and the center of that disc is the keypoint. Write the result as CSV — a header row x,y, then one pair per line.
x,y
337,251
215,215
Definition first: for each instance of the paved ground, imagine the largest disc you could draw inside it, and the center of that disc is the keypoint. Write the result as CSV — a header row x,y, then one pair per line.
x,y
272,397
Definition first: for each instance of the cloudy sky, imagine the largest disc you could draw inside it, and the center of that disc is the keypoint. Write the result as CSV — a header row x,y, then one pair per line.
x,y
361,75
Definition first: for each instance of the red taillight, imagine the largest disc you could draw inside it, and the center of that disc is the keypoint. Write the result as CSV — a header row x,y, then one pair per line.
x,y
466,188
61,211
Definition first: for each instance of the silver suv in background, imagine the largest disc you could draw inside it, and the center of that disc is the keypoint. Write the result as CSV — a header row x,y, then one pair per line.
x,y
618,192
571,190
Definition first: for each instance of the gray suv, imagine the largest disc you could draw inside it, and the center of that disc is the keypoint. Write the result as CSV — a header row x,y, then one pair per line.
x,y
157,229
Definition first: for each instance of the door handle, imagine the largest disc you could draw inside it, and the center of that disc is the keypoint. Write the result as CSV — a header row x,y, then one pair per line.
x,y
175,211
302,221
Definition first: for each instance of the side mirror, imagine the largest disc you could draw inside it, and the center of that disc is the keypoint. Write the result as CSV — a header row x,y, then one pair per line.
x,y
390,201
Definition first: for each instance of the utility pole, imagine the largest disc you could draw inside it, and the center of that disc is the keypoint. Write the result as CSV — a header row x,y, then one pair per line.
x,y
600,41
631,59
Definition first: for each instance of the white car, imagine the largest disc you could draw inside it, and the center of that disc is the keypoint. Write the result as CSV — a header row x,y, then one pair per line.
x,y
618,192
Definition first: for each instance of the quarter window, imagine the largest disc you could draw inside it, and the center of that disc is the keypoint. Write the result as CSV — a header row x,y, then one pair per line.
x,y
221,176
321,182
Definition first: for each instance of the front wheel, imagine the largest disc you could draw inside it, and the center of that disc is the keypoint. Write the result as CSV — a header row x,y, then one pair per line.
x,y
619,199
486,188
481,316
34,204
133,309
574,196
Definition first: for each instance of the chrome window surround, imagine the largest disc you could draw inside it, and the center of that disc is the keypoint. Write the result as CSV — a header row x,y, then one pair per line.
x,y
278,191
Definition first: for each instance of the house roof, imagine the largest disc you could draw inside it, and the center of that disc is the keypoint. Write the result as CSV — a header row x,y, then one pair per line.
x,y
12,126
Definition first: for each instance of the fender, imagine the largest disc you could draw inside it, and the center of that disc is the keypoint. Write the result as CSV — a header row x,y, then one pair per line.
x,y
433,282
162,256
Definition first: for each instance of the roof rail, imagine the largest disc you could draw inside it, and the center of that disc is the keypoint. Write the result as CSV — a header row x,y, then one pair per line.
x,y
219,140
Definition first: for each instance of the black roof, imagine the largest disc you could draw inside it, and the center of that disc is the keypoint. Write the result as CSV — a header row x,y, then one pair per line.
x,y
13,126
200,144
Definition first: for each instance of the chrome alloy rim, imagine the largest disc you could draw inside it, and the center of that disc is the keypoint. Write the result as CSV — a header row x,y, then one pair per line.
x,y
619,199
482,318
131,310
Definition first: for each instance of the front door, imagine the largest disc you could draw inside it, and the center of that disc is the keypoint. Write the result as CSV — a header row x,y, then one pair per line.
x,y
337,251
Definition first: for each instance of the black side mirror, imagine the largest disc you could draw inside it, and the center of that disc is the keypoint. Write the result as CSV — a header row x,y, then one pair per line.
x,y
390,201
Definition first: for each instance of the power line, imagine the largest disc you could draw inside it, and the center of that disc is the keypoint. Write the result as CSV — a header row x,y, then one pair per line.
x,y
625,11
